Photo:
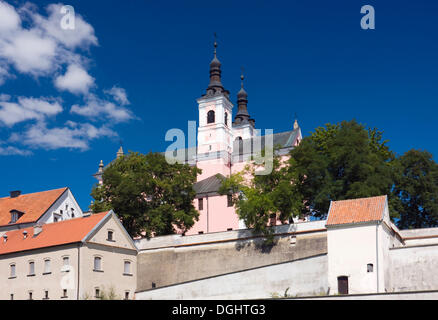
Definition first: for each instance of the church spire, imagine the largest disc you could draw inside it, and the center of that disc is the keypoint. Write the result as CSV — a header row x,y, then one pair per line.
x,y
215,86
120,153
242,115
296,125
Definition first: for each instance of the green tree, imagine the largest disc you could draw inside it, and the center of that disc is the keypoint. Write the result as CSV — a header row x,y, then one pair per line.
x,y
148,194
258,198
416,186
341,161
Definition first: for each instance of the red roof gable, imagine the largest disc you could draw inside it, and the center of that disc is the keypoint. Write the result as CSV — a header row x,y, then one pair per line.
x,y
52,234
356,210
34,205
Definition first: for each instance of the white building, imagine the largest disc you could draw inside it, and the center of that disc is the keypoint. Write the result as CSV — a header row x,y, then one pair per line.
x,y
23,210
75,259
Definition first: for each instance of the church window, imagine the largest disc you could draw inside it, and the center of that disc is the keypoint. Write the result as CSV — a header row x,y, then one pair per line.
x,y
210,117
200,204
226,119
240,145
370,267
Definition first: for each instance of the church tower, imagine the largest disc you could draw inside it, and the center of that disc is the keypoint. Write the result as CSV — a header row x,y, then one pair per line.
x,y
215,134
243,125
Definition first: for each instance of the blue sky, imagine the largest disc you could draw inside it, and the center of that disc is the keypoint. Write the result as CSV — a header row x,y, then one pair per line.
x,y
132,70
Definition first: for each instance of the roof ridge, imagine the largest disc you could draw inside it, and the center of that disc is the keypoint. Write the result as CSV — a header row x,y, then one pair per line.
x,y
26,194
355,199
59,222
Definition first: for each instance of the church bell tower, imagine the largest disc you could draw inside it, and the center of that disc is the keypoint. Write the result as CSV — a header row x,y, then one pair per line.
x,y
215,134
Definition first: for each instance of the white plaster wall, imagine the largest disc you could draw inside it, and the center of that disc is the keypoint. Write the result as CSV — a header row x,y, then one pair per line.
x,y
414,268
54,282
304,277
66,198
350,249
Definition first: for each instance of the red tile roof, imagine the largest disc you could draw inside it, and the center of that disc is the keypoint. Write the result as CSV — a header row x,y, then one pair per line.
x,y
34,205
52,234
356,210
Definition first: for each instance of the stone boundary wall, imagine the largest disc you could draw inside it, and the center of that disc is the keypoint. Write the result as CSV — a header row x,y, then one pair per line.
x,y
175,259
302,276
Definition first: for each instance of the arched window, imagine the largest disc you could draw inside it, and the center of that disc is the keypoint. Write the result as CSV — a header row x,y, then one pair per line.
x,y
97,264
210,116
226,119
239,139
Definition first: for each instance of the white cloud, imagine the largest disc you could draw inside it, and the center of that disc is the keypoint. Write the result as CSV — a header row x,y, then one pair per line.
x,y
119,95
82,35
42,46
10,20
98,109
4,97
4,74
25,109
76,80
36,45
10,151
71,136
30,52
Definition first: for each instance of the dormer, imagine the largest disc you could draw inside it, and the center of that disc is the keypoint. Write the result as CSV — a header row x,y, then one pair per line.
x,y
15,215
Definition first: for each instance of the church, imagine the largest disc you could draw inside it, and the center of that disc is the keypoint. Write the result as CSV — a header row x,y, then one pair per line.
x,y
224,146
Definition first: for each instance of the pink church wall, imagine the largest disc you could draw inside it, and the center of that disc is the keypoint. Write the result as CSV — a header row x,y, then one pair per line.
x,y
212,167
222,216
201,224
215,216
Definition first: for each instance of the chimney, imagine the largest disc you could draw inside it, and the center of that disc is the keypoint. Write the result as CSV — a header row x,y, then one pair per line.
x,y
15,193
37,229
24,234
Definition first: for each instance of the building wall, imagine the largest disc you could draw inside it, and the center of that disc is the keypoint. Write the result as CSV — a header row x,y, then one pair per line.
x,y
211,167
350,250
54,282
306,276
81,265
66,199
113,254
216,216
414,268
111,276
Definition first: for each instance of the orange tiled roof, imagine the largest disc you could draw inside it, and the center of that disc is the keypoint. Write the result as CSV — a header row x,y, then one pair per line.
x,y
34,205
52,234
356,210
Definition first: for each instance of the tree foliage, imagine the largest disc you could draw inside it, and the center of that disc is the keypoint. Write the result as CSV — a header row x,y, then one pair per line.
x,y
150,196
258,198
342,161
416,188
337,162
